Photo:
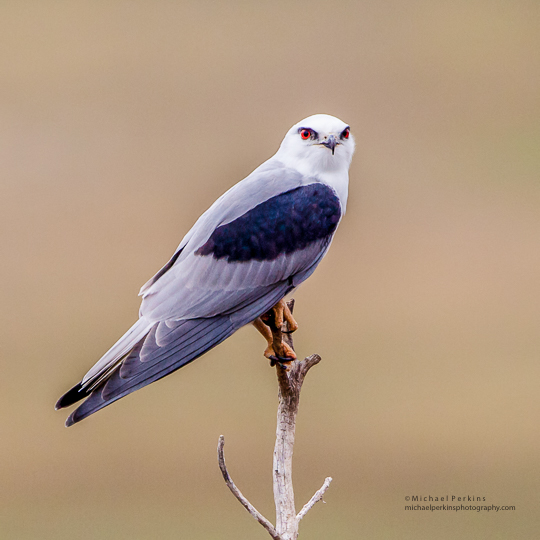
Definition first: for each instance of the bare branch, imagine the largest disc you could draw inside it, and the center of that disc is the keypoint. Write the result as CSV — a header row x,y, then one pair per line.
x,y
290,379
238,494
315,499
307,363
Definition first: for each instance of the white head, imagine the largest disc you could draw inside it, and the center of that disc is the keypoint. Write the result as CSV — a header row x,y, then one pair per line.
x,y
318,144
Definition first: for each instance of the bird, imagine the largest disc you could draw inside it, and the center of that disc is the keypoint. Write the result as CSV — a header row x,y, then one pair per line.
x,y
258,241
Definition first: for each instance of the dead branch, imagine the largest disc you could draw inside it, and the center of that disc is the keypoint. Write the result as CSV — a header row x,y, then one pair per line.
x,y
315,499
238,494
290,380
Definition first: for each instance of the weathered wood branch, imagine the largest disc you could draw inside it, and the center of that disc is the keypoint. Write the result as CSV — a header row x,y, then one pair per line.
x,y
315,499
238,494
290,380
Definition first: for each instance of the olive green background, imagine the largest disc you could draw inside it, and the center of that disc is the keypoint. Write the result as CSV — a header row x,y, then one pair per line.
x,y
121,121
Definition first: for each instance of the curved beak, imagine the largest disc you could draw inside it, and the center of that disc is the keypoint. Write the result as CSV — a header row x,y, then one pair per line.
x,y
331,143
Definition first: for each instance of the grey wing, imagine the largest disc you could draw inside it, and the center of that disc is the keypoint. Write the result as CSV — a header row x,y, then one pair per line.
x,y
170,345
205,287
279,238
265,182
220,281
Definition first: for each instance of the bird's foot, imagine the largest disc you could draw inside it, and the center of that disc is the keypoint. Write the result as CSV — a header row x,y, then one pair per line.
x,y
271,325
276,362
292,325
281,313
284,358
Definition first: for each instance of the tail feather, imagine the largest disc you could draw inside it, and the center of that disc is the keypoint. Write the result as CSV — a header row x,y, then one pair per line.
x,y
117,351
186,342
72,396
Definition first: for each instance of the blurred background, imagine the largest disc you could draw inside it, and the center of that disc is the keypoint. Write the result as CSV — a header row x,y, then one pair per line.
x,y
121,121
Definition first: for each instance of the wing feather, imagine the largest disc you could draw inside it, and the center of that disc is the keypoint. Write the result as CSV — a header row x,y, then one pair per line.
x,y
266,181
170,345
202,296
204,286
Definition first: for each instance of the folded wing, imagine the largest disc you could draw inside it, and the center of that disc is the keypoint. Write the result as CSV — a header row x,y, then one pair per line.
x,y
222,277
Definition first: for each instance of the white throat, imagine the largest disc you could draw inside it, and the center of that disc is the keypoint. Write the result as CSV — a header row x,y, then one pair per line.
x,y
318,162
328,169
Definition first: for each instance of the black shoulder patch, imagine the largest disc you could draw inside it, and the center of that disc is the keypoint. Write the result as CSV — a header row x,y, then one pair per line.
x,y
285,223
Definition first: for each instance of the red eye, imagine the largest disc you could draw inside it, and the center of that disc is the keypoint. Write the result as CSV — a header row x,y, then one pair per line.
x,y
345,134
305,134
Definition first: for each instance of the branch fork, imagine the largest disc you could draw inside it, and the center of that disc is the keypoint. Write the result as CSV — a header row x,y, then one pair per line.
x,y
290,379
